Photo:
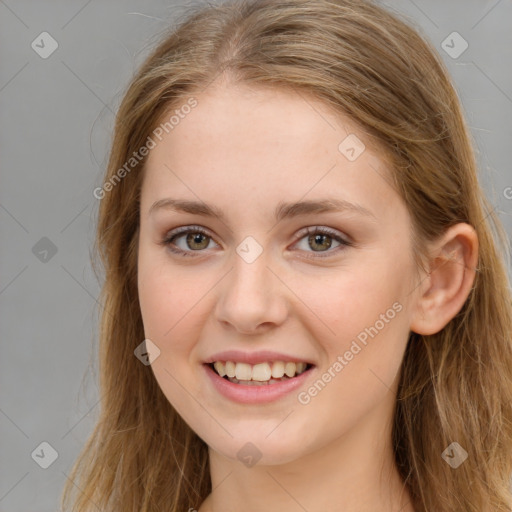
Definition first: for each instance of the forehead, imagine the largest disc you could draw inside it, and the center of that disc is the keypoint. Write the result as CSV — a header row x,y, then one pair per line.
x,y
263,145
231,119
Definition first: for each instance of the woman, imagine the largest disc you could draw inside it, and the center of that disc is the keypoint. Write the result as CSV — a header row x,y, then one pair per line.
x,y
304,304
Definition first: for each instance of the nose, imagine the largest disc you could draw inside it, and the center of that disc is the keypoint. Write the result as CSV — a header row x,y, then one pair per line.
x,y
252,297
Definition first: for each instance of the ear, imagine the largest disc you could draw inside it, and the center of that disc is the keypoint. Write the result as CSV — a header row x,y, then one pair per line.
x,y
453,262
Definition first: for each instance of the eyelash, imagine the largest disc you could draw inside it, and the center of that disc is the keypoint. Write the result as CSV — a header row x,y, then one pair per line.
x,y
170,237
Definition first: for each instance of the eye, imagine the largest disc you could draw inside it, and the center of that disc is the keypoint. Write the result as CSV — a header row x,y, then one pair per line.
x,y
196,238
321,239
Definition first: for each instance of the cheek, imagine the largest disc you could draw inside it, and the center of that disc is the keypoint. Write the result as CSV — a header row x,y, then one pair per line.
x,y
351,299
174,309
170,318
360,315
362,359
165,298
156,301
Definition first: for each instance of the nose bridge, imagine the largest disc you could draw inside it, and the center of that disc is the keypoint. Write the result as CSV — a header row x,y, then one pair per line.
x,y
250,263
250,294
251,274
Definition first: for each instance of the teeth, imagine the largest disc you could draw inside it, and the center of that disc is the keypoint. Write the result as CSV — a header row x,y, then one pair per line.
x,y
289,369
219,368
277,369
262,372
256,383
243,371
230,368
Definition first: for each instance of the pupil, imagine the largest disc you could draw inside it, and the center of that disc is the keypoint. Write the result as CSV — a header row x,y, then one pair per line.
x,y
196,239
317,239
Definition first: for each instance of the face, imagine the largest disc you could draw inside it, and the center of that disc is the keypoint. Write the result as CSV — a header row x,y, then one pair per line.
x,y
327,288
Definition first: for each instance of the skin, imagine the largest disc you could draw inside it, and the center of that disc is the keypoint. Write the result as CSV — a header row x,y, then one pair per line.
x,y
245,150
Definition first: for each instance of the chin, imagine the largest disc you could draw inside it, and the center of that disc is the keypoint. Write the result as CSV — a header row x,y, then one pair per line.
x,y
258,449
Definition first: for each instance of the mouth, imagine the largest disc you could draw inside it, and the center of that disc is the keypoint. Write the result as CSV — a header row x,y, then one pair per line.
x,y
261,374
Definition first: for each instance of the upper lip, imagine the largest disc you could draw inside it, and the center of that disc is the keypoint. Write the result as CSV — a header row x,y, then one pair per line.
x,y
262,356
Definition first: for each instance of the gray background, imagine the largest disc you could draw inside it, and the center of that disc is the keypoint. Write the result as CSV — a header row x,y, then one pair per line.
x,y
57,118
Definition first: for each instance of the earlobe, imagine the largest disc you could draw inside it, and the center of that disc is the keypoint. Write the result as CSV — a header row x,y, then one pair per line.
x,y
453,266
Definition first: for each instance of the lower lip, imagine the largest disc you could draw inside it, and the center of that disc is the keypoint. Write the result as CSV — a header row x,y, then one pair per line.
x,y
255,394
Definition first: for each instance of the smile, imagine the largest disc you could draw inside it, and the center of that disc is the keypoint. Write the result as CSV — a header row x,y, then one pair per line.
x,y
252,391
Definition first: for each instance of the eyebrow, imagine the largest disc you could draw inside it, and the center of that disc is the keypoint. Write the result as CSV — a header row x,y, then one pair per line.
x,y
282,211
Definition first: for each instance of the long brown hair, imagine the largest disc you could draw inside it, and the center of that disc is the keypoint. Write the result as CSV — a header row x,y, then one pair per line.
x,y
371,65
